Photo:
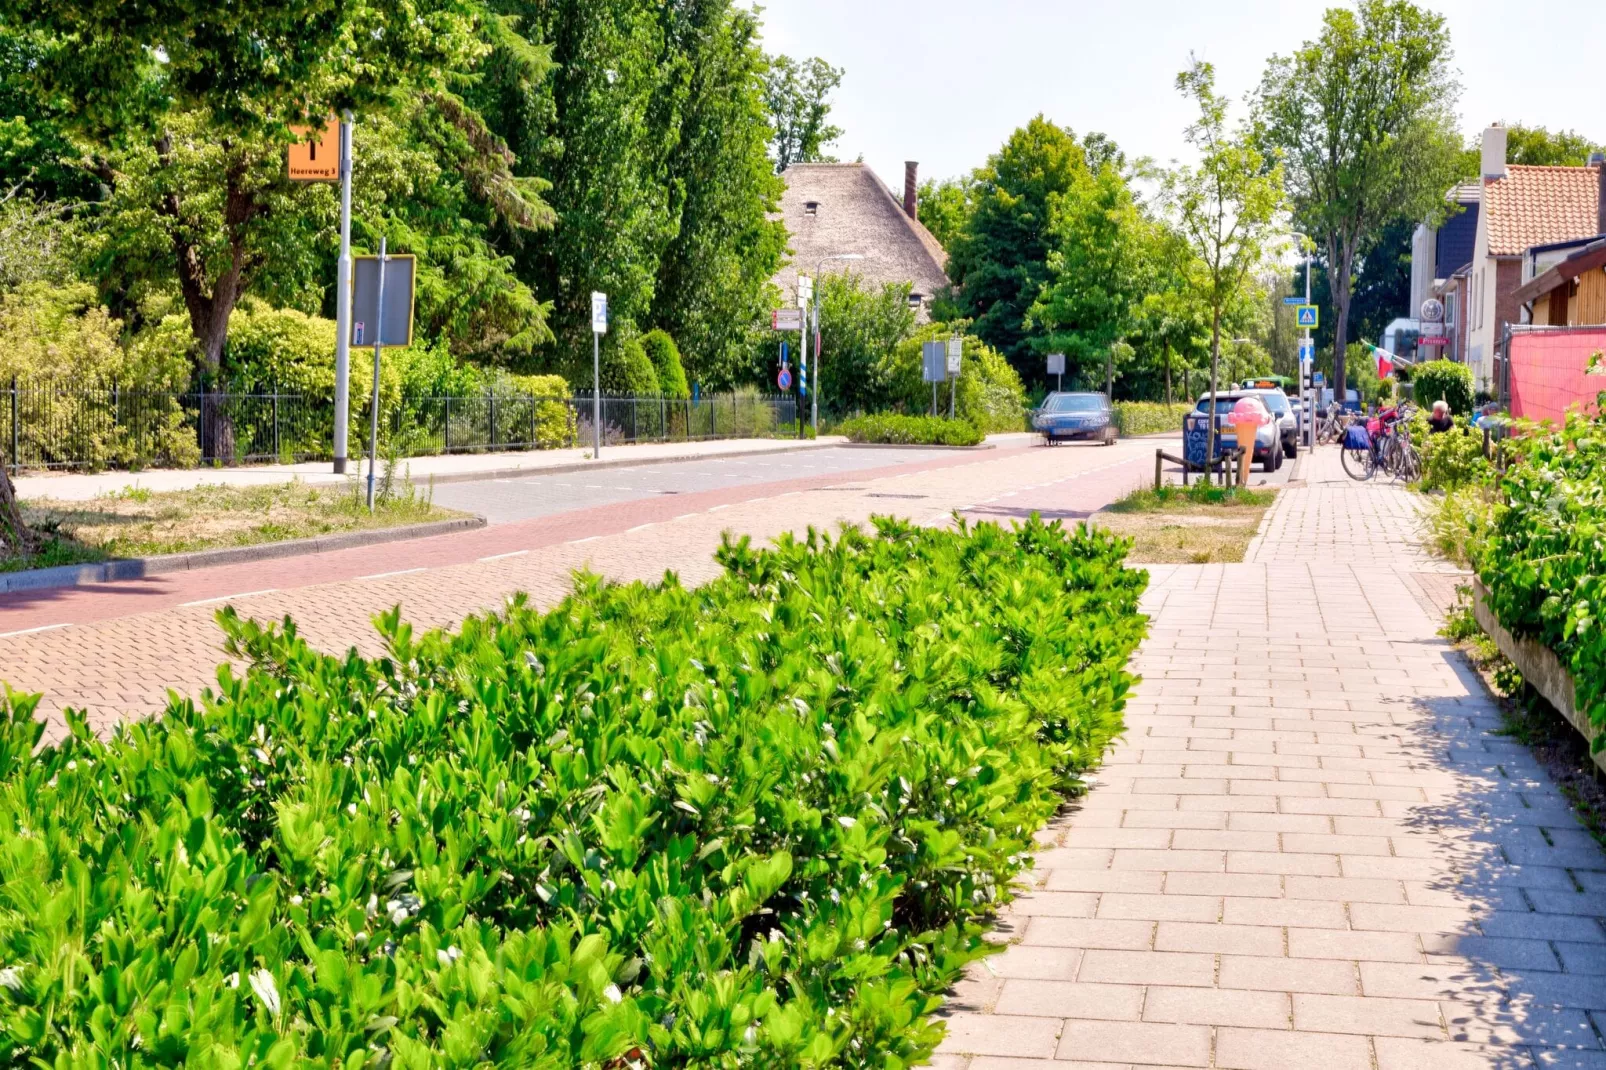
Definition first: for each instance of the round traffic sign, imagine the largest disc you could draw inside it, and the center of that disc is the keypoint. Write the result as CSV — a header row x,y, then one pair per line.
x,y
784,379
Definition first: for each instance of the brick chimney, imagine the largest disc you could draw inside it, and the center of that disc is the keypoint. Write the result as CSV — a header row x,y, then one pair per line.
x,y
911,189
1598,161
1494,152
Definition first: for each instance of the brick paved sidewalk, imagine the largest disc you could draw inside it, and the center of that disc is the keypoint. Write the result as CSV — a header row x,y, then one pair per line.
x,y
1310,849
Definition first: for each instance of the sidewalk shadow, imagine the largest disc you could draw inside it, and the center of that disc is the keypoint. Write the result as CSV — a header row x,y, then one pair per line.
x,y
1503,976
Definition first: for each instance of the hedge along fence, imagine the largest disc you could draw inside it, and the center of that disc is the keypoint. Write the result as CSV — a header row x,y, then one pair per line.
x,y
760,823
1148,417
1541,557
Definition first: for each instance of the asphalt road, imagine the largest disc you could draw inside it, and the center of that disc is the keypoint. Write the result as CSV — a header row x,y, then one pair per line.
x,y
502,501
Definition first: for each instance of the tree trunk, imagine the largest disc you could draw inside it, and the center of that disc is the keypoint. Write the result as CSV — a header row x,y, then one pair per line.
x,y
210,301
1340,284
16,538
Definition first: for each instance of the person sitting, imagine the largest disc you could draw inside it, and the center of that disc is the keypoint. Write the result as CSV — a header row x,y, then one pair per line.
x,y
1440,421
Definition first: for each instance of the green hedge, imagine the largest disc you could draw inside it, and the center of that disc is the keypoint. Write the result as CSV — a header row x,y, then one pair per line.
x,y
896,429
1444,380
762,823
1148,417
1542,558
1453,458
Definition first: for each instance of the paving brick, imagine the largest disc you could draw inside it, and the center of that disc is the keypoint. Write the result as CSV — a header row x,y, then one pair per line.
x,y
1239,939
1137,1042
1277,974
1369,1015
1401,1053
1272,1049
1339,944
1147,968
1068,999
998,1034
1167,907
1214,1006
1103,933
1307,913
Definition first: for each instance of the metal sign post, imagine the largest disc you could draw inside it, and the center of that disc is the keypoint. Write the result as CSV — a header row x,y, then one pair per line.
x,y
1056,368
956,352
343,302
599,327
934,367
379,346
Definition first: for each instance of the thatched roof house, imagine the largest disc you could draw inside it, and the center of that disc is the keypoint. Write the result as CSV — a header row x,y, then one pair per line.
x,y
836,209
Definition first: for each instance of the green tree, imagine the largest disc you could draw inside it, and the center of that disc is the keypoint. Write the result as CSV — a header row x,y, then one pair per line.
x,y
713,278
1097,270
1364,118
798,96
860,326
946,207
1537,146
999,263
1227,206
183,112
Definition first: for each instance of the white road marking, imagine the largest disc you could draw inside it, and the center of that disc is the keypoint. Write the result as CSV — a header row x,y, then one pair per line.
x,y
228,597
639,527
33,631
588,538
499,557
386,575
685,516
717,508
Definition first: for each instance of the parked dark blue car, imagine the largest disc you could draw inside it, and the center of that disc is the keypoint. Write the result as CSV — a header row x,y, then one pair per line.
x,y
1063,417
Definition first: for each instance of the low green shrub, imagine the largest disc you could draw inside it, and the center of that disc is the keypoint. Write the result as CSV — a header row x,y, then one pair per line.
x,y
762,823
1542,556
665,357
1134,418
1443,380
1453,458
896,429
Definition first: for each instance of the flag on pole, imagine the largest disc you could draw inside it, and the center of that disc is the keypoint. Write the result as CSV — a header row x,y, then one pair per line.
x,y
1385,367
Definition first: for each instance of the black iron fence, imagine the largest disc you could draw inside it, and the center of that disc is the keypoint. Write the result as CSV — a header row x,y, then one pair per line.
x,y
60,425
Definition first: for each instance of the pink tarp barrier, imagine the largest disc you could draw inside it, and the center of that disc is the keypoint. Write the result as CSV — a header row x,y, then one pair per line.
x,y
1550,373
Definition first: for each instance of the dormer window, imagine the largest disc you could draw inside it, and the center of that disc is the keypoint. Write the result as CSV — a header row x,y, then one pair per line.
x,y
811,207
916,300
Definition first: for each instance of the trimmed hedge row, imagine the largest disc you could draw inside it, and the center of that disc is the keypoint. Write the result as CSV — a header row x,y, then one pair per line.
x,y
760,823
1542,557
895,429
1148,417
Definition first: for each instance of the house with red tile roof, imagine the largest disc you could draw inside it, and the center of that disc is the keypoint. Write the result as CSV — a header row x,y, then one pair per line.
x,y
1523,206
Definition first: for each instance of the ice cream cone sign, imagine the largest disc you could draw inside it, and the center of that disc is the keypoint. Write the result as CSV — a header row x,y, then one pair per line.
x,y
1248,416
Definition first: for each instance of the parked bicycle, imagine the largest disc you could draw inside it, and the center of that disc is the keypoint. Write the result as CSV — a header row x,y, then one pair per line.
x,y
1382,443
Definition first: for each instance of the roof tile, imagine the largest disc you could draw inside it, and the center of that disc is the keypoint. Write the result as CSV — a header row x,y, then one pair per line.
x,y
1538,205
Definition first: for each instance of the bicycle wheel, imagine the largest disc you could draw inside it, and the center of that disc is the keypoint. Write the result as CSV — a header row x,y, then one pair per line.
x,y
1410,466
1358,463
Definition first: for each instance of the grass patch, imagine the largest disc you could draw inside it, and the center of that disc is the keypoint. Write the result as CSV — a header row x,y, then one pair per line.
x,y
1196,525
138,522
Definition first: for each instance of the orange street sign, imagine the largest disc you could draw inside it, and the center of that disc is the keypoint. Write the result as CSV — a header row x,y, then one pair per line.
x,y
316,161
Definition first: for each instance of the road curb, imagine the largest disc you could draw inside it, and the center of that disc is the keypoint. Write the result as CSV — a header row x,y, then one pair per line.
x,y
133,568
596,466
912,446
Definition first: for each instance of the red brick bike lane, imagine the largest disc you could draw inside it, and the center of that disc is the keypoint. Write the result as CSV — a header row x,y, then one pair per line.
x,y
28,610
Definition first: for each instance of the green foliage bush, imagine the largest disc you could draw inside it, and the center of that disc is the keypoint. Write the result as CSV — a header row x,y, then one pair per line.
x,y
1444,380
626,371
762,823
665,357
1134,418
989,392
1543,558
1451,459
895,429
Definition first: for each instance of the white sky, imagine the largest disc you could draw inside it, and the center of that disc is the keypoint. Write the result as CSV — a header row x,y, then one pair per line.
x,y
945,81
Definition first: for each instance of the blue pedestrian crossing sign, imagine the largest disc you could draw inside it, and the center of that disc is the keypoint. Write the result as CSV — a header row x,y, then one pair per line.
x,y
1305,316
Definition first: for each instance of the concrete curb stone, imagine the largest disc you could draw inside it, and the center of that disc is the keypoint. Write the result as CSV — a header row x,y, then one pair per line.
x,y
133,568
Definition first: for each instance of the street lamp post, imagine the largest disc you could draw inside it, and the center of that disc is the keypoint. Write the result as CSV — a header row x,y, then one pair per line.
x,y
814,400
